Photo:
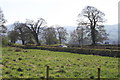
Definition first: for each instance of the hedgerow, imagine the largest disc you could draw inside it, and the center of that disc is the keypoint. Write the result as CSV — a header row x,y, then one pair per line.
x,y
101,52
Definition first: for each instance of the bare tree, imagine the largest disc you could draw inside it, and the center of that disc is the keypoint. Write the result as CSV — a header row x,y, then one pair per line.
x,y
35,28
50,35
101,34
81,33
23,31
74,38
94,19
3,29
2,22
62,33
13,36
78,36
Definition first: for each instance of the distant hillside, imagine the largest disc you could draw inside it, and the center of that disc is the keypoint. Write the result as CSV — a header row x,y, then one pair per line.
x,y
113,33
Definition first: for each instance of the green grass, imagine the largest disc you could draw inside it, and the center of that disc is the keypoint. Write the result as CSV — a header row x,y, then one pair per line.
x,y
31,63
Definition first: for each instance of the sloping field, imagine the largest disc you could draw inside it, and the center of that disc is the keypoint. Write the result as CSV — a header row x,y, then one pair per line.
x,y
31,63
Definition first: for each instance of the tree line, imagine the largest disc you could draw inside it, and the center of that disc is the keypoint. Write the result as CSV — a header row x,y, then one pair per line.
x,y
90,29
36,32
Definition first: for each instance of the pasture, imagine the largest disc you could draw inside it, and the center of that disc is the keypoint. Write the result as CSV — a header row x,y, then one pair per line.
x,y
31,63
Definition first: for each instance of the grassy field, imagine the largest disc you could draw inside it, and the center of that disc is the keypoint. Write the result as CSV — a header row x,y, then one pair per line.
x,y
31,63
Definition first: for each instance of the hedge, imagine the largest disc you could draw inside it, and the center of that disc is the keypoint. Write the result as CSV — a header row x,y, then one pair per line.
x,y
101,52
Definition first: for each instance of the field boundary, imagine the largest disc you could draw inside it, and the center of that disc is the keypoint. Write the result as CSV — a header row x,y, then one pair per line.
x,y
100,52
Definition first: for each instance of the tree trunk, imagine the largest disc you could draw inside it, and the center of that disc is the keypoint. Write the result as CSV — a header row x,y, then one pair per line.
x,y
60,40
23,42
93,35
79,41
82,38
36,39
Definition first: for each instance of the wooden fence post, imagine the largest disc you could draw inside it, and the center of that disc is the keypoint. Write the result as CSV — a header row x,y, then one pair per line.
x,y
47,73
98,73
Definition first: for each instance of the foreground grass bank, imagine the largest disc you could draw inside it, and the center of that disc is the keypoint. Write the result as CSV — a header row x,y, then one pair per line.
x,y
31,63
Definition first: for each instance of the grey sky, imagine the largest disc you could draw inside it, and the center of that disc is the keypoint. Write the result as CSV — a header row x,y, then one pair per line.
x,y
61,12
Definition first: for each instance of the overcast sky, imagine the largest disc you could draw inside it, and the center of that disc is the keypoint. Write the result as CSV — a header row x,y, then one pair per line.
x,y
61,12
